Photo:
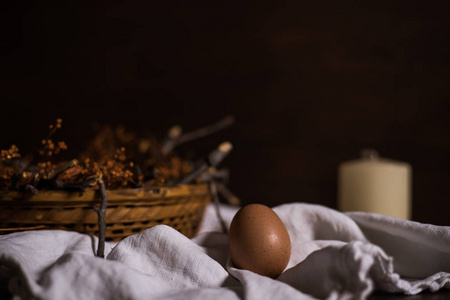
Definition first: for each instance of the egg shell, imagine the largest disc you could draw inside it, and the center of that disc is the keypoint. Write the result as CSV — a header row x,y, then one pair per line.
x,y
259,241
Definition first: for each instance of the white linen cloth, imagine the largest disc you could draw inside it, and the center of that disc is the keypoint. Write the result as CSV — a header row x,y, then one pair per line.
x,y
334,256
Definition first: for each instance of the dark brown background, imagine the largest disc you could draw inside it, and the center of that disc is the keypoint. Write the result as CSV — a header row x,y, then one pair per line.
x,y
310,85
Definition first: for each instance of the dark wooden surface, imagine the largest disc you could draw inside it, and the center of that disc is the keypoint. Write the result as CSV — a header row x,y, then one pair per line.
x,y
310,85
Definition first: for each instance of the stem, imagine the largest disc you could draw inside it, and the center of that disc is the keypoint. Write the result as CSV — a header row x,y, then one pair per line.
x,y
171,143
214,158
216,206
64,167
227,194
102,219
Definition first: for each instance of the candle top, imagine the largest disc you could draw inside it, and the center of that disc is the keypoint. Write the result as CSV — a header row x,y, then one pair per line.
x,y
371,157
371,154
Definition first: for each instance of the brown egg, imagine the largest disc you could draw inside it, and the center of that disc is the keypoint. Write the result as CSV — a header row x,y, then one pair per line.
x,y
259,241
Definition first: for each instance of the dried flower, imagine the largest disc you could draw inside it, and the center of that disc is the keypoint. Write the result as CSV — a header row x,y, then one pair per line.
x,y
11,153
122,158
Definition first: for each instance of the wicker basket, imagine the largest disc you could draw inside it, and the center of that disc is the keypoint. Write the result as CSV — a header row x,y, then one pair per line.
x,y
129,211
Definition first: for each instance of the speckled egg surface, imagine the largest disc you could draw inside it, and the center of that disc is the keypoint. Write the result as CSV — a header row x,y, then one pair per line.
x,y
259,241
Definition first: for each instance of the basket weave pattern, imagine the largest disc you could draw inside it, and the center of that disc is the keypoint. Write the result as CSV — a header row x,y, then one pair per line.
x,y
129,211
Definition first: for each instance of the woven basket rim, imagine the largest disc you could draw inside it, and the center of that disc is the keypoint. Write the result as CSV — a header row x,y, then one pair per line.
x,y
129,211
56,197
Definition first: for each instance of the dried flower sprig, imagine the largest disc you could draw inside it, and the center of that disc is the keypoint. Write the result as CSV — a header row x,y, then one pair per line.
x,y
11,153
123,159
49,147
8,169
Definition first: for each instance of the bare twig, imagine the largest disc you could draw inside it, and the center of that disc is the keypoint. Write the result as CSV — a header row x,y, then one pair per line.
x,y
170,141
64,167
176,137
101,218
221,175
191,177
50,179
214,158
216,206
79,185
227,194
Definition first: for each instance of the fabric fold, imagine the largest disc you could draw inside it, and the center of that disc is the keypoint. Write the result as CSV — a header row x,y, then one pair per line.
x,y
334,256
419,250
163,252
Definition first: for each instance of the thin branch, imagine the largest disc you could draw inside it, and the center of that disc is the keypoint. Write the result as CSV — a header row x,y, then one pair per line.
x,y
62,168
214,174
227,194
176,137
214,158
79,185
101,218
216,206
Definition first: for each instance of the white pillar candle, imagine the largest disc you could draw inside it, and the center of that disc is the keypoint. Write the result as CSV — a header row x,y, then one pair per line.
x,y
373,184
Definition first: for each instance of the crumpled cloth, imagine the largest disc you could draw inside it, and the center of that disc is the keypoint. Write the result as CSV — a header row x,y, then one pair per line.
x,y
334,256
